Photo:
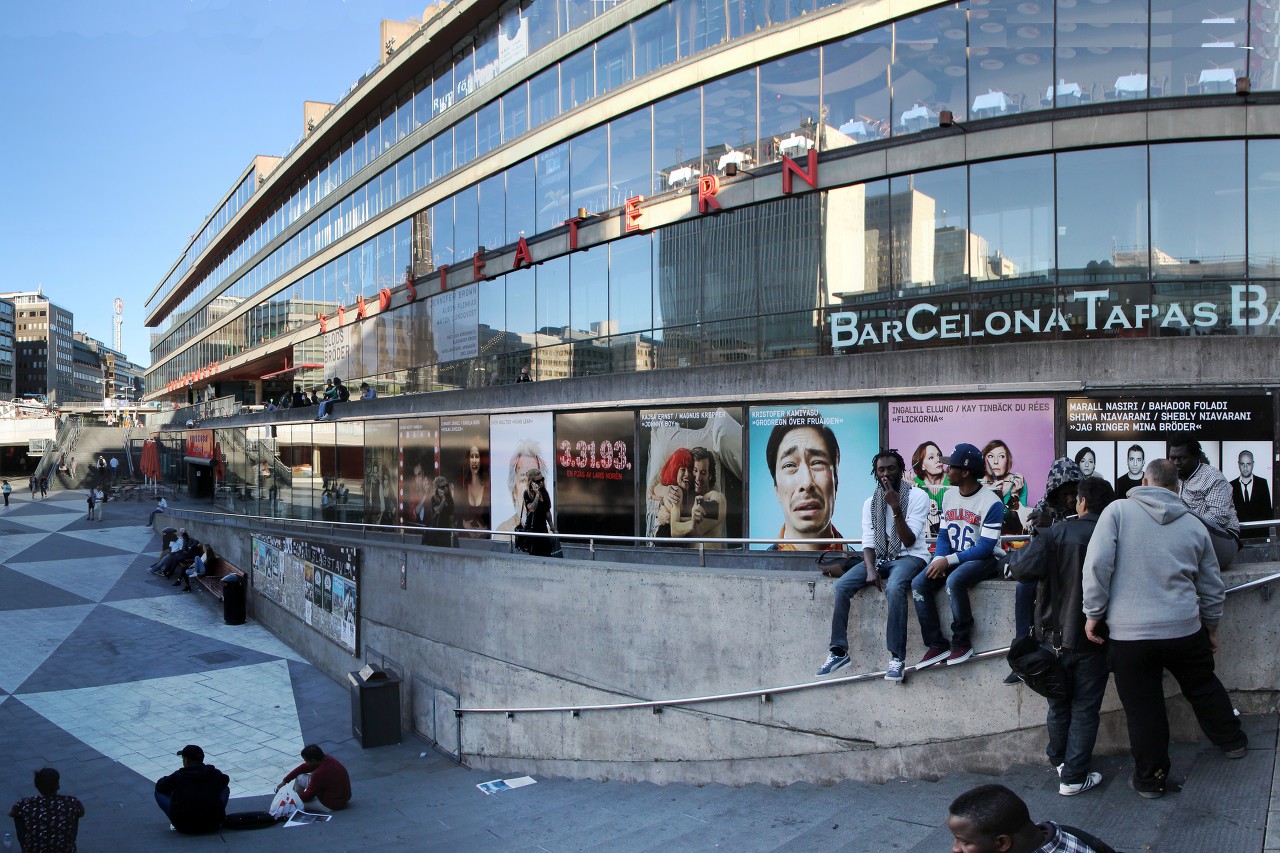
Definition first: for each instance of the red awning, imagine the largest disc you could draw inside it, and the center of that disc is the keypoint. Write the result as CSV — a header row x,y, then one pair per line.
x,y
289,370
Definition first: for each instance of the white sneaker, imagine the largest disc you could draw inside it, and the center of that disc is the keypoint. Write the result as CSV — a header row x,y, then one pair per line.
x,y
1093,780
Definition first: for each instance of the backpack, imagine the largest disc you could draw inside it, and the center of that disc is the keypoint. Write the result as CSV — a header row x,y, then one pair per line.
x,y
248,820
343,394
1039,669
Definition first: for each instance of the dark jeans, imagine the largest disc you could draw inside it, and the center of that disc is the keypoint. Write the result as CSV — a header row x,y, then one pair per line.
x,y
165,801
1024,608
1073,723
898,575
957,582
1139,667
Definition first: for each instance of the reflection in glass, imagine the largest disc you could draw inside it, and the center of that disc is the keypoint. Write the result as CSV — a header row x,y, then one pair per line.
x,y
544,97
630,156
552,167
729,122
923,84
929,238
630,285
521,193
856,243
589,293
677,146
466,214
515,113
589,171
1010,58
1189,296
577,79
553,298
1264,207
613,61
855,89
725,264
492,203
1102,214
1197,45
1102,52
1197,210
1011,215
790,109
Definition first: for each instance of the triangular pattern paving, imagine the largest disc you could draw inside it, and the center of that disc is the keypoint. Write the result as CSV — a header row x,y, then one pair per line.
x,y
12,544
112,647
31,636
24,593
59,546
130,538
48,521
205,622
254,738
92,579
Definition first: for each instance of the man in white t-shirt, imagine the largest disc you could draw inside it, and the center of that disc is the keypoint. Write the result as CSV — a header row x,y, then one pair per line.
x,y
893,550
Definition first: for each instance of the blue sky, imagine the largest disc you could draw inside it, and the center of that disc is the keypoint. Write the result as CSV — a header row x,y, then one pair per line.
x,y
126,121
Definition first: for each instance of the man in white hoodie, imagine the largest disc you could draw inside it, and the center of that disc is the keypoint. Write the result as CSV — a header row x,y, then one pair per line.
x,y
1150,573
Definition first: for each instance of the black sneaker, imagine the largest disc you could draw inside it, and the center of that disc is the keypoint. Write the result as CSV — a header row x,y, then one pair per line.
x,y
1012,678
1168,787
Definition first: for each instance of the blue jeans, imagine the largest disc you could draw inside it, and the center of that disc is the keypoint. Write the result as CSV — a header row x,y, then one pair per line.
x,y
325,407
898,575
1073,722
957,582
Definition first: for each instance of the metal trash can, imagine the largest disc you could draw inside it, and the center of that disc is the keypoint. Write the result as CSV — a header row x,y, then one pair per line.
x,y
375,707
233,595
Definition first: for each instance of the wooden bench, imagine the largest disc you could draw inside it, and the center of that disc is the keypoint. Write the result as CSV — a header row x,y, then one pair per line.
x,y
221,568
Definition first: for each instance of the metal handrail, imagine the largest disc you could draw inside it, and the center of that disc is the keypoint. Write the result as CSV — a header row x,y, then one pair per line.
x,y
765,694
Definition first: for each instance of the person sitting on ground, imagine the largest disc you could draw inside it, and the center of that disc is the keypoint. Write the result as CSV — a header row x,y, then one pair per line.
x,y
195,797
993,819
320,778
367,392
49,821
162,505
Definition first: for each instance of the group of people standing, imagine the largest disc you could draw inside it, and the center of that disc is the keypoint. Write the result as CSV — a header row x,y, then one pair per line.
x,y
1129,587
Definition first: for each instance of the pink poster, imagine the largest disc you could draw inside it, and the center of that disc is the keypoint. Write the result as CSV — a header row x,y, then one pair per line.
x,y
1015,435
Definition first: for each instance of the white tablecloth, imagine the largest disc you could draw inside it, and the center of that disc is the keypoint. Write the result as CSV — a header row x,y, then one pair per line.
x,y
991,101
684,173
919,113
795,144
1217,75
1132,83
735,157
856,127
1063,90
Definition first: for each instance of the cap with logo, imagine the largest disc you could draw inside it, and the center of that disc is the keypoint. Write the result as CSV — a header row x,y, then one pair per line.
x,y
967,456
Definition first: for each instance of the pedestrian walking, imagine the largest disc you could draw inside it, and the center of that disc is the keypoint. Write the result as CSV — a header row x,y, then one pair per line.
x,y
90,499
44,487
6,490
100,503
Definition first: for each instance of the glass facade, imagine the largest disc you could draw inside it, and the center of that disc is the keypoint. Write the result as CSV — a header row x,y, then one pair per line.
x,y
1112,215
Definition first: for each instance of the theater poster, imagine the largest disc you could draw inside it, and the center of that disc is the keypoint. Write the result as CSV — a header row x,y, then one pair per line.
x,y
1118,436
1015,435
595,473
464,461
418,466
692,473
519,445
810,471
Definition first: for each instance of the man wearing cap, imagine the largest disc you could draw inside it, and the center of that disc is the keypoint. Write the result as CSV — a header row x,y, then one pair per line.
x,y
195,797
320,778
968,544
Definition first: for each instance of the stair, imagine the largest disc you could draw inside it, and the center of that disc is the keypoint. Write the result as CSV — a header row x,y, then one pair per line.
x,y
95,441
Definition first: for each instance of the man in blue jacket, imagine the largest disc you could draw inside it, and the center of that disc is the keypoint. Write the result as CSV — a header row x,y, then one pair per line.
x,y
968,544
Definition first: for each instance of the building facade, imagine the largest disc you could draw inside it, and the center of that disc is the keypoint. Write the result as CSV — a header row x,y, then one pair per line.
x,y
44,348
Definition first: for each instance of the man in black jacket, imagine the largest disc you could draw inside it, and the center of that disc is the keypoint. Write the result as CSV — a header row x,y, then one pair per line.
x,y
1055,562
195,797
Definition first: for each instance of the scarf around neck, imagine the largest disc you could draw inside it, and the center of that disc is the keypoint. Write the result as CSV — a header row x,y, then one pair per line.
x,y
888,543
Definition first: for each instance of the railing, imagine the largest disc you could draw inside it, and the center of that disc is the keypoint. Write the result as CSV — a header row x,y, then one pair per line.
x,y
221,407
63,443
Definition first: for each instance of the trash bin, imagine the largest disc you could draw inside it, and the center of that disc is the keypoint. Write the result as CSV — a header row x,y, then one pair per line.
x,y
233,607
375,707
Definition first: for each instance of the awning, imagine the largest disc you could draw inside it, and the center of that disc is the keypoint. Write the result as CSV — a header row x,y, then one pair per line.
x,y
197,460
289,370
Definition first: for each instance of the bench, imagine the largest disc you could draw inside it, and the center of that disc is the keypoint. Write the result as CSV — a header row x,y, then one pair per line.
x,y
221,568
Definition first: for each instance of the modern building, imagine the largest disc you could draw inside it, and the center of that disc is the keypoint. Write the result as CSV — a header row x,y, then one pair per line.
x,y
1044,228
88,383
114,377
7,354
43,348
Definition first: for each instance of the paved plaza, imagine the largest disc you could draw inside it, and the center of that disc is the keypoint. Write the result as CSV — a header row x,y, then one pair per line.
x,y
109,670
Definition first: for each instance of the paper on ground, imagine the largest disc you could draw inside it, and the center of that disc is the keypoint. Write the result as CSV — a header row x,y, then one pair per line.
x,y
498,785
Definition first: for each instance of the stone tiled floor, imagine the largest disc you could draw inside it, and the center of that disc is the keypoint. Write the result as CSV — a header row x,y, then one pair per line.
x,y
109,670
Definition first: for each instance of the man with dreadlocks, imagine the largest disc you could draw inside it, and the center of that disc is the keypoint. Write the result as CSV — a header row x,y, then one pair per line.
x,y
894,550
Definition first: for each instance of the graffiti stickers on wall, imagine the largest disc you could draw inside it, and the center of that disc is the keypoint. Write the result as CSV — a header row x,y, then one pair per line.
x,y
316,581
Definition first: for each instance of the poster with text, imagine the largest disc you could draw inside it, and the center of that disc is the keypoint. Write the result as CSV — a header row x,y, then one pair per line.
x,y
810,469
595,476
692,465
418,466
464,461
1236,435
1015,435
520,444
381,468
316,581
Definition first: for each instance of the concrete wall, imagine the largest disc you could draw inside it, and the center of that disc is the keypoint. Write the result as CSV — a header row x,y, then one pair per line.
x,y
514,631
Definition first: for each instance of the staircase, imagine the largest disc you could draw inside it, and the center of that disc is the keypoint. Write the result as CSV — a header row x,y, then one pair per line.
x,y
95,441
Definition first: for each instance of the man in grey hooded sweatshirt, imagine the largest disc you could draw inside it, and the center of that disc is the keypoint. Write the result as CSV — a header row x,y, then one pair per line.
x,y
1150,573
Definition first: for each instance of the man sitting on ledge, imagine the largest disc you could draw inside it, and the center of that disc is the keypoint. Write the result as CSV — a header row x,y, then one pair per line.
x,y
320,778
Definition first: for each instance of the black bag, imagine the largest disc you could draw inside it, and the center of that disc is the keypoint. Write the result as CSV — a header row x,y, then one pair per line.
x,y
1039,668
249,820
839,562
